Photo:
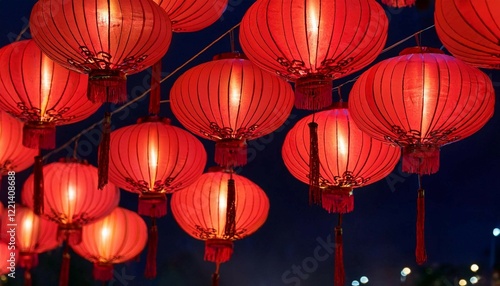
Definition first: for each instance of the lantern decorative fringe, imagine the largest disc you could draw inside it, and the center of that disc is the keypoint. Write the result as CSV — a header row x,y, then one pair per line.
x,y
336,199
339,273
231,152
314,165
103,156
64,274
420,253
107,86
152,205
311,42
423,160
399,3
230,227
37,134
218,250
313,92
102,271
70,233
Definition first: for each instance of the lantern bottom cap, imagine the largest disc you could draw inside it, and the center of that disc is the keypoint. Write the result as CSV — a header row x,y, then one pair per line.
x,y
107,86
39,135
313,92
420,159
231,153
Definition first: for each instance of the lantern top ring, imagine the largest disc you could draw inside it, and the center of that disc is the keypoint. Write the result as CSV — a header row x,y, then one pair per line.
x,y
421,50
154,118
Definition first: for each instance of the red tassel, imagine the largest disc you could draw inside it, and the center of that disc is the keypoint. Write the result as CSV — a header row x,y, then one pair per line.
x,y
230,227
64,275
71,234
107,86
215,279
313,92
39,135
218,250
27,278
231,153
28,260
155,94
420,253
150,272
38,186
314,189
339,258
103,160
422,160
336,199
399,3
102,272
153,205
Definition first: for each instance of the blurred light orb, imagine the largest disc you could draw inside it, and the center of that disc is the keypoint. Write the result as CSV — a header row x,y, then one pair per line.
x,y
363,279
474,280
474,267
355,283
406,271
496,231
462,282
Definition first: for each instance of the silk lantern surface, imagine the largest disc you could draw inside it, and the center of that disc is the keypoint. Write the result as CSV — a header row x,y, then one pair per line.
x,y
153,158
470,30
116,238
230,100
14,156
421,101
107,39
313,42
71,197
192,15
201,211
41,93
349,158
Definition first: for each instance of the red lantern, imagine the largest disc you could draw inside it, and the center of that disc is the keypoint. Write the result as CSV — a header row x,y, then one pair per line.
x,y
107,39
470,30
34,235
421,101
193,15
71,197
41,93
313,42
154,158
7,259
347,158
230,100
14,156
399,3
220,207
116,238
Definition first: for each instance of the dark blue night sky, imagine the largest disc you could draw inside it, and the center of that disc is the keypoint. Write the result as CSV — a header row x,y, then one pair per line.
x,y
379,236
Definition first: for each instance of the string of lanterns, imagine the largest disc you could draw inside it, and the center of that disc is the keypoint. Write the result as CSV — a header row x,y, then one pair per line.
x,y
80,58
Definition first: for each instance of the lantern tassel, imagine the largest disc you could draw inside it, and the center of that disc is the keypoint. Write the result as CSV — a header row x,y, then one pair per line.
x,y
64,275
313,92
215,276
231,153
38,185
150,272
422,160
102,272
230,228
155,94
103,160
399,3
152,204
420,253
40,135
336,199
27,277
218,250
107,86
339,255
314,189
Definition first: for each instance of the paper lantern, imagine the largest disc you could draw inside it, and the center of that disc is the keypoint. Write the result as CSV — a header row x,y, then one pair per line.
x,y
230,100
420,101
220,207
345,158
106,39
399,3
33,234
470,30
71,198
313,42
153,158
116,238
41,93
14,156
192,15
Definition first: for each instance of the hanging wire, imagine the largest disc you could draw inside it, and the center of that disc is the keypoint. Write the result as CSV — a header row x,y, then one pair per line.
x,y
76,148
142,95
22,32
340,95
188,62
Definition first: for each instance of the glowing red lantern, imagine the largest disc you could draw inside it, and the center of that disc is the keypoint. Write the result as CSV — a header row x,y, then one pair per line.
x,y
193,15
116,238
421,100
470,30
107,39
347,158
41,93
14,156
34,235
399,3
153,158
313,42
220,207
71,197
230,100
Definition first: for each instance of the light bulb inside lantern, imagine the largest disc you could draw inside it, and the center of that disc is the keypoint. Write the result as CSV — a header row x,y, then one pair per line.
x,y
235,90
69,203
27,231
221,214
153,161
312,19
46,82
